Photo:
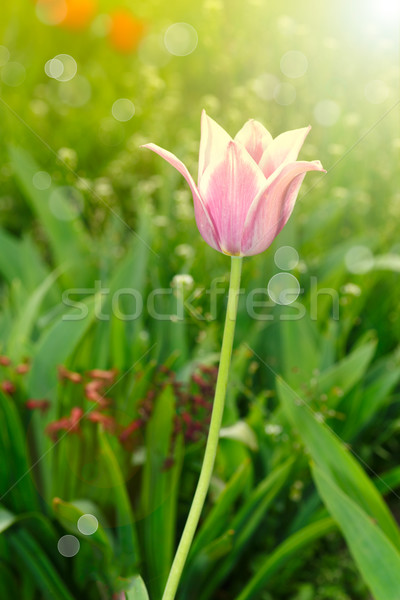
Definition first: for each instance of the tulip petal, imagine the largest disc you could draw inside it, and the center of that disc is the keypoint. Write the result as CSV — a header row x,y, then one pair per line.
x,y
255,138
213,143
229,188
284,148
204,221
269,213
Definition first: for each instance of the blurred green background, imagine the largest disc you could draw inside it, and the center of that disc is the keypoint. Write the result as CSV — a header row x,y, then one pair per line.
x,y
82,85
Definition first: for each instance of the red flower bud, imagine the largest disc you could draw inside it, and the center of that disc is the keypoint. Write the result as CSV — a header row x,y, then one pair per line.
x,y
65,374
128,431
75,418
42,405
53,428
107,376
8,387
108,422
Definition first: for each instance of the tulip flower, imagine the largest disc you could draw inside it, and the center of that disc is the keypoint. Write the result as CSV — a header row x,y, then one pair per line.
x,y
245,193
247,186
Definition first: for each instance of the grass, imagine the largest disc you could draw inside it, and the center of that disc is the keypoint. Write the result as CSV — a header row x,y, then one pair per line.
x,y
116,218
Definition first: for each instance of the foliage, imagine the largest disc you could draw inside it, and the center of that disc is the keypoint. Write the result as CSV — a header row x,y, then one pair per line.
x,y
105,398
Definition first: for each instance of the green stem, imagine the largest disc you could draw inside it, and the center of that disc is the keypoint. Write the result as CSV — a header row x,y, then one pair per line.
x,y
213,434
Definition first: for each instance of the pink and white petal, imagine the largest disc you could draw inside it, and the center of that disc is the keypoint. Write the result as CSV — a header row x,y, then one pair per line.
x,y
228,190
269,213
203,219
213,142
255,138
284,148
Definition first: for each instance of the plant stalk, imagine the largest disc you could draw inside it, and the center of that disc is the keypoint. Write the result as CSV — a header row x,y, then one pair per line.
x,y
213,434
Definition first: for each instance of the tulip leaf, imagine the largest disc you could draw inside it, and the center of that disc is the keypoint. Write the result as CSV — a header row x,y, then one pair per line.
x,y
217,519
197,571
39,565
20,260
68,515
335,459
55,346
22,328
7,519
283,553
160,486
68,238
299,350
246,523
240,432
366,401
346,373
136,589
8,583
127,549
15,473
117,332
375,555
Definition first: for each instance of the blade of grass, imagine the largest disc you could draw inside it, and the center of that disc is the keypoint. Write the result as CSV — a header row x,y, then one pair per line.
x,y
135,589
279,557
217,519
127,551
68,515
375,555
159,493
246,523
16,482
22,328
330,454
35,560
68,239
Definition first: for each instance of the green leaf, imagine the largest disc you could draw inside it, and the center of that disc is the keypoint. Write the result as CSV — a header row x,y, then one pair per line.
x,y
336,461
240,432
135,589
375,555
38,564
386,482
22,328
127,551
197,572
246,522
159,492
368,400
239,368
15,472
284,552
68,515
8,583
68,239
300,353
10,257
346,373
218,518
116,337
7,519
55,346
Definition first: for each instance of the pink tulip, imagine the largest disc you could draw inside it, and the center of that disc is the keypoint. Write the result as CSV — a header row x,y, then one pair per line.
x,y
247,186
